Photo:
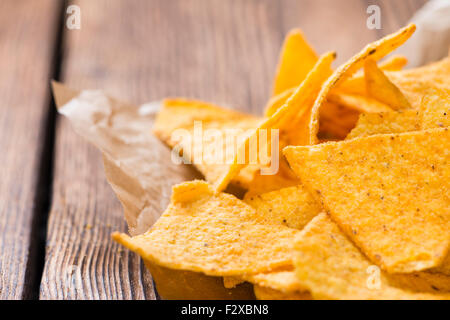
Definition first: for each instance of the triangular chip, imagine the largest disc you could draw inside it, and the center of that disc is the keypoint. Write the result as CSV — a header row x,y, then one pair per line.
x,y
293,207
378,86
297,58
435,109
389,193
213,233
386,122
184,125
375,51
331,267
415,82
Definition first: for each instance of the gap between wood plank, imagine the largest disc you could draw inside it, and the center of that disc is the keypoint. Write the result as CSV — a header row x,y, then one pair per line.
x,y
43,194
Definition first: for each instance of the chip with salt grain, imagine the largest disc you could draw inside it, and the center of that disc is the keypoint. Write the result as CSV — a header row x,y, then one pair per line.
x,y
212,233
330,266
389,193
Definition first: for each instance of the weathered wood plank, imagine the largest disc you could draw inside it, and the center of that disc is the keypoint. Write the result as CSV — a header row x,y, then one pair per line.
x,y
222,51
27,37
141,51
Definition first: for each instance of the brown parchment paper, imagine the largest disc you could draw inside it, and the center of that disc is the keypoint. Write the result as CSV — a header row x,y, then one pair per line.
x,y
137,165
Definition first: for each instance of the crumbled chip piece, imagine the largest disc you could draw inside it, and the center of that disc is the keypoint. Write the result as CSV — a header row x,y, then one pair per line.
x,y
388,193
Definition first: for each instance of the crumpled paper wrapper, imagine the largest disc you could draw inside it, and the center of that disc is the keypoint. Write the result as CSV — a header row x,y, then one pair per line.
x,y
137,165
431,41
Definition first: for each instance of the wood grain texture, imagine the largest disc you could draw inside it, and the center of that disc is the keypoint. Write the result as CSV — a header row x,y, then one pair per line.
x,y
221,51
26,48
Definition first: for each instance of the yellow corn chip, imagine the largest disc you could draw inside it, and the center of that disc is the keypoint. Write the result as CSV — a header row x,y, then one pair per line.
x,y
331,267
359,103
415,82
266,183
289,119
263,293
356,84
389,194
445,267
379,86
386,122
182,123
293,207
435,109
336,121
179,284
375,51
297,58
213,233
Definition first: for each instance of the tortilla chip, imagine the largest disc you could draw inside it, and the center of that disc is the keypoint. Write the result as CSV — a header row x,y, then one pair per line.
x,y
444,268
435,109
177,115
386,122
179,284
414,82
356,84
379,86
213,233
263,293
375,51
266,183
388,193
297,58
331,267
358,103
289,119
393,63
293,207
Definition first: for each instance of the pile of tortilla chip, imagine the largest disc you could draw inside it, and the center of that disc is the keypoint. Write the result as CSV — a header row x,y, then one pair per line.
x,y
346,179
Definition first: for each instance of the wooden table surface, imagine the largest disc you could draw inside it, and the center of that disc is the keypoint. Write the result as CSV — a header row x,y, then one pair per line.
x,y
56,209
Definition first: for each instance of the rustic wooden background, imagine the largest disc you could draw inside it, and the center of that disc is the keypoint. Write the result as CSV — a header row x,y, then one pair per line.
x,y
56,209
